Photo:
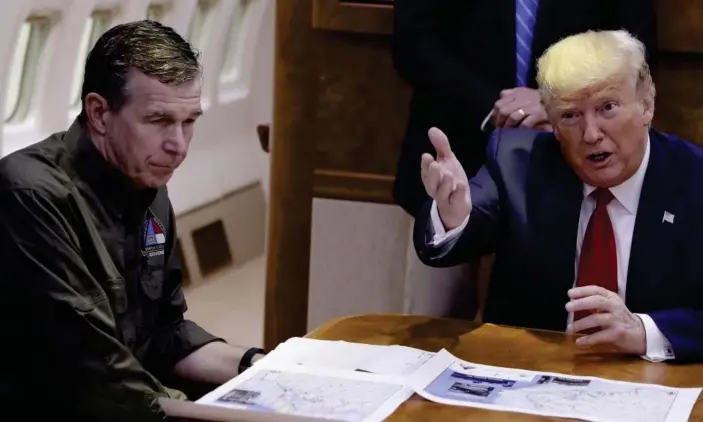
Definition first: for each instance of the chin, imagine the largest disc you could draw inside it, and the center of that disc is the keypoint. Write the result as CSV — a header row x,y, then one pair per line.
x,y
154,182
604,180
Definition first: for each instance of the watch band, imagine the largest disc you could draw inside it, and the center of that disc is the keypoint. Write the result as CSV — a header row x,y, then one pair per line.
x,y
245,362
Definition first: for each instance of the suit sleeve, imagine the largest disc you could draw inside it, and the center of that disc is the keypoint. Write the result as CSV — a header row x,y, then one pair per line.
x,y
178,337
71,325
684,330
422,59
480,235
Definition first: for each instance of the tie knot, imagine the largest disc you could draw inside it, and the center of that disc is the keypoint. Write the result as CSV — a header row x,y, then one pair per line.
x,y
603,196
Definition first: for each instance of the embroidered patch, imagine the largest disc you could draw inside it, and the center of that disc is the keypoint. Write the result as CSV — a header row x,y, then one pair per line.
x,y
154,237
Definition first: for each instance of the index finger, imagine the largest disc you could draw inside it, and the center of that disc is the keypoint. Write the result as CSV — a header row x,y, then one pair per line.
x,y
503,101
585,291
595,302
425,161
507,92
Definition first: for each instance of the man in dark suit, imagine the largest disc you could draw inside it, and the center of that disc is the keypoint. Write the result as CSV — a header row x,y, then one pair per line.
x,y
465,58
603,213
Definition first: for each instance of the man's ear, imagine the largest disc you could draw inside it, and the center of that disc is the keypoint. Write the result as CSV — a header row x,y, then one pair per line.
x,y
96,110
648,111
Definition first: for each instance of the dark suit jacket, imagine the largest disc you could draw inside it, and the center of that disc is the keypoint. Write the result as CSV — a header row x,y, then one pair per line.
x,y
526,206
458,55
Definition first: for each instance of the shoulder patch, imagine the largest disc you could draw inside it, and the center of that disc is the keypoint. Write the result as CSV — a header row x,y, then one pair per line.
x,y
154,236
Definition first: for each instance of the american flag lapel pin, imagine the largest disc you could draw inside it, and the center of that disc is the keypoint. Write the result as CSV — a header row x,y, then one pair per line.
x,y
668,217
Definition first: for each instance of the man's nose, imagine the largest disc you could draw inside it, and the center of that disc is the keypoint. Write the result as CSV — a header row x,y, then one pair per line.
x,y
592,133
176,142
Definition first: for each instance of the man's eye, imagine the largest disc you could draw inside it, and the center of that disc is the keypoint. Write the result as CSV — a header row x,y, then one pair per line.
x,y
609,106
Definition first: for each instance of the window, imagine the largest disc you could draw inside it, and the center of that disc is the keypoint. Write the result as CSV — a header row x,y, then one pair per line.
x,y
232,55
95,26
28,49
196,32
157,12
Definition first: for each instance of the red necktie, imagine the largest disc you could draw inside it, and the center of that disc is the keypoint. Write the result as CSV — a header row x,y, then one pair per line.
x,y
598,264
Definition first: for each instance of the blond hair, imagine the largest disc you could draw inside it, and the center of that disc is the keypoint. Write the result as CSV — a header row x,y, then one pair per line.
x,y
591,59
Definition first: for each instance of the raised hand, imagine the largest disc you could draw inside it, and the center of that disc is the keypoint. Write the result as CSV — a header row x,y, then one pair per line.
x,y
446,182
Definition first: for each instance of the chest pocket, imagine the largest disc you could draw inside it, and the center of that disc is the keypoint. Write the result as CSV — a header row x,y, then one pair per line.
x,y
152,277
110,278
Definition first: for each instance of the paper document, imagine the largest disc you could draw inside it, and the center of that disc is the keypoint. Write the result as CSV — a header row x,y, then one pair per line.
x,y
335,380
383,360
448,380
312,392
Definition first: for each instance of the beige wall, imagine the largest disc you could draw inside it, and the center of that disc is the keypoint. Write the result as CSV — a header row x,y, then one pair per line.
x,y
362,261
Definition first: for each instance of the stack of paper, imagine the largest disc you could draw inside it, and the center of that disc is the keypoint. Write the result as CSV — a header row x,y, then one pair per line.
x,y
342,355
356,382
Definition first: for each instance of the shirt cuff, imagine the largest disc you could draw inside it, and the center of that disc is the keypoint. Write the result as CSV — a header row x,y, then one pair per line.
x,y
658,346
442,236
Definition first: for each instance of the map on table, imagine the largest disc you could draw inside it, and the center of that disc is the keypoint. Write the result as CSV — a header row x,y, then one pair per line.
x,y
446,379
331,380
311,395
352,382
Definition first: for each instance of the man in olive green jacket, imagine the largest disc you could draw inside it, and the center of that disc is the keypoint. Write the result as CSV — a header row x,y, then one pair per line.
x,y
89,272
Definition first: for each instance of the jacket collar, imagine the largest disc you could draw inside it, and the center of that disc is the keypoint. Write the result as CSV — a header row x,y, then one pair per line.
x,y
114,189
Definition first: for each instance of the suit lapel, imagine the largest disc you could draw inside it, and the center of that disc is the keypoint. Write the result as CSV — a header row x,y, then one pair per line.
x,y
555,195
653,238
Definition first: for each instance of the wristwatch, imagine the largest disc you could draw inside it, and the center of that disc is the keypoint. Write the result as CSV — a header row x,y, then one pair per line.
x,y
245,362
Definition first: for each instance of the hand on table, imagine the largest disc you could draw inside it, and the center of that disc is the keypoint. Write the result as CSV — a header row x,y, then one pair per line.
x,y
520,107
446,182
616,325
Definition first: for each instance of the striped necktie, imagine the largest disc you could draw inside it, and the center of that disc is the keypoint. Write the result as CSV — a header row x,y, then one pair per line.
x,y
525,17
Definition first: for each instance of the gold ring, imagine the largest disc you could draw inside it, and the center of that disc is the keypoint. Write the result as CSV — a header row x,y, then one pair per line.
x,y
522,113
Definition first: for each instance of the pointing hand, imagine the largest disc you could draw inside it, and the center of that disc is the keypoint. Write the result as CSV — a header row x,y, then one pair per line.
x,y
446,182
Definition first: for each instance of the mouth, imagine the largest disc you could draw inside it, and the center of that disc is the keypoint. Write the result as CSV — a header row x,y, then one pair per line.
x,y
599,157
163,168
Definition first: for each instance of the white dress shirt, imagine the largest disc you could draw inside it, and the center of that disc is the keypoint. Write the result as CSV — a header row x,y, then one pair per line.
x,y
622,211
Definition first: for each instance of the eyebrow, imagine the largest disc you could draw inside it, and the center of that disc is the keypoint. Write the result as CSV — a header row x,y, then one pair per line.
x,y
562,108
162,114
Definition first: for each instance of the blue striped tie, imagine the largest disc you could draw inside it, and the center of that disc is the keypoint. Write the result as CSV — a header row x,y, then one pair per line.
x,y
525,17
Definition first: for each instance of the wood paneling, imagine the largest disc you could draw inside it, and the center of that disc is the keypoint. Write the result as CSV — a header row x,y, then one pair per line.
x,y
290,204
353,186
339,117
679,108
361,105
679,69
352,17
680,25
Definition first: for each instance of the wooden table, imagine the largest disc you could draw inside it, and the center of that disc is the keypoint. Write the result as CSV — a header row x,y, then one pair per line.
x,y
501,346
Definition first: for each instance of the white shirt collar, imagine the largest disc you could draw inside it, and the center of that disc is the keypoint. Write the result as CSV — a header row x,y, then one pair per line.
x,y
628,192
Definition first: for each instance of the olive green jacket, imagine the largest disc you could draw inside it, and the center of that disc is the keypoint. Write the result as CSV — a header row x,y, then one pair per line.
x,y
91,280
